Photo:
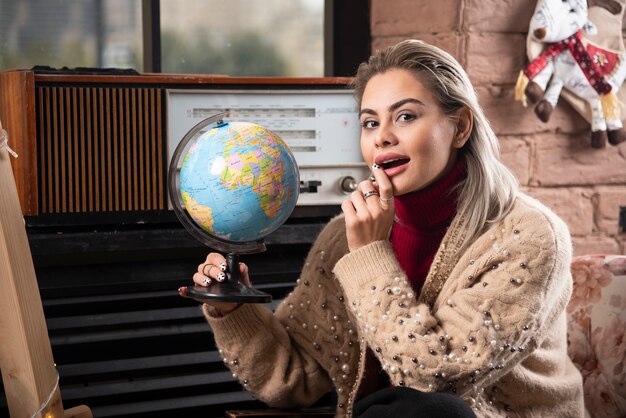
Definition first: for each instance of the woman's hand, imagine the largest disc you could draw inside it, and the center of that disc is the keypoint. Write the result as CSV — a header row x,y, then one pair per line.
x,y
369,212
214,270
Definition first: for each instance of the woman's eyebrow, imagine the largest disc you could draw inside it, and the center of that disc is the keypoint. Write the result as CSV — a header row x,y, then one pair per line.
x,y
402,102
394,106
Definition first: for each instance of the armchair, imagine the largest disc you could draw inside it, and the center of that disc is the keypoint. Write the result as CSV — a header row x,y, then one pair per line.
x,y
597,332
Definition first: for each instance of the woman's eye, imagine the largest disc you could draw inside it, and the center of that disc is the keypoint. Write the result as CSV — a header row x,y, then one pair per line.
x,y
368,124
405,117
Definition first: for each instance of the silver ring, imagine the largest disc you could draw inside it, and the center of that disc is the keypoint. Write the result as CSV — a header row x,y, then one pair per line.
x,y
370,193
386,201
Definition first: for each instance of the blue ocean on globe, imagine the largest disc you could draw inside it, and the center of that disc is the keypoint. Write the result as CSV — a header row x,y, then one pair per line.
x,y
239,182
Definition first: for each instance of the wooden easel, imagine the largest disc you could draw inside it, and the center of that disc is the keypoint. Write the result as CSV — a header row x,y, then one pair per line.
x,y
28,371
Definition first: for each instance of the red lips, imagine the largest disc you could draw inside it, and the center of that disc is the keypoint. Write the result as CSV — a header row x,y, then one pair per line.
x,y
392,163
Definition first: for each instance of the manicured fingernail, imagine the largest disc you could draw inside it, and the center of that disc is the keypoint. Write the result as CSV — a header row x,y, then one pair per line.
x,y
221,277
207,281
223,267
372,178
375,166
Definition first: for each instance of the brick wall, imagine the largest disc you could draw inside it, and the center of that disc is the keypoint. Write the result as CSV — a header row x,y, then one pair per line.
x,y
554,162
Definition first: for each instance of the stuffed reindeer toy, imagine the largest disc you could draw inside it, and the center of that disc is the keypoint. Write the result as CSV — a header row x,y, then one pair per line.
x,y
568,60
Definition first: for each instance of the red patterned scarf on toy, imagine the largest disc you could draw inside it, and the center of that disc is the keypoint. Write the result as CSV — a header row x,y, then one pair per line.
x,y
577,49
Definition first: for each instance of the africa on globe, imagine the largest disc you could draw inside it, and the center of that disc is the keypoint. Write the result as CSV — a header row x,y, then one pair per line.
x,y
238,181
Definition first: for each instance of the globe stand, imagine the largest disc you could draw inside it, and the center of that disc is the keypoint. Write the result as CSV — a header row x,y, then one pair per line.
x,y
231,289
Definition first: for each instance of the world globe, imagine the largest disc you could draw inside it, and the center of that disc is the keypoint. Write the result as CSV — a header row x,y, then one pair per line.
x,y
232,184
239,182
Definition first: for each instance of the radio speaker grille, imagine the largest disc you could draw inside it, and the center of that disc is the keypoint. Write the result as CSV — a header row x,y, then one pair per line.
x,y
100,149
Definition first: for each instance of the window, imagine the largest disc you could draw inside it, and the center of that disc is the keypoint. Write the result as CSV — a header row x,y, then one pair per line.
x,y
234,37
291,38
70,33
243,37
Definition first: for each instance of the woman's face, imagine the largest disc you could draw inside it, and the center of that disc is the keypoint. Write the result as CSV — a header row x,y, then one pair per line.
x,y
405,132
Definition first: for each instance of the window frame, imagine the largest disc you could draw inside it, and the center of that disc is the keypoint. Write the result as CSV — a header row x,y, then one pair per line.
x,y
347,36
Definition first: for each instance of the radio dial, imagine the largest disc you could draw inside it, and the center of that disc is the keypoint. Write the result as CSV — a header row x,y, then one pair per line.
x,y
348,184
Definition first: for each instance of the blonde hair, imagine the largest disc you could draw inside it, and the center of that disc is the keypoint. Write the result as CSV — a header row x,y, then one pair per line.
x,y
489,190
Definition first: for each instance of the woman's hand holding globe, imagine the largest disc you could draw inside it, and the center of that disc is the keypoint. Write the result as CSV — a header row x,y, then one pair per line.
x,y
214,269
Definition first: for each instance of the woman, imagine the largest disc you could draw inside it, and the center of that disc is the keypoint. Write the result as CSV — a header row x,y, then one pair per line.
x,y
440,286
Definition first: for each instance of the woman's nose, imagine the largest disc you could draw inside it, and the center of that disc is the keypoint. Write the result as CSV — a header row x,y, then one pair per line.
x,y
385,137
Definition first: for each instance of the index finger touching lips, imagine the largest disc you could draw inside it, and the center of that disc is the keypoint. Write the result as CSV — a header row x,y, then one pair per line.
x,y
385,188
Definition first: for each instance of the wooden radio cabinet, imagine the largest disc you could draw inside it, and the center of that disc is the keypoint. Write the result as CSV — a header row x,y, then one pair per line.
x,y
92,144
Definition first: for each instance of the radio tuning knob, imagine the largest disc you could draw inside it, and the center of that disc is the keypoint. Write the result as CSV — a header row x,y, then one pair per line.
x,y
348,184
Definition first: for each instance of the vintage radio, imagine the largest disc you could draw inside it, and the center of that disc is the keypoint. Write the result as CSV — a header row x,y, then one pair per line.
x,y
95,144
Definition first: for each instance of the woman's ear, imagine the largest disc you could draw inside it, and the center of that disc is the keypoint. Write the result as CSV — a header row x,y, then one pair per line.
x,y
464,124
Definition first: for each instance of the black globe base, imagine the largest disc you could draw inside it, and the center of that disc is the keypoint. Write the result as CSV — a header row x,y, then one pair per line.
x,y
220,292
230,290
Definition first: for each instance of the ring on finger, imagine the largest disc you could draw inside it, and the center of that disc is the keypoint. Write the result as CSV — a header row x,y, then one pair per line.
x,y
386,201
370,193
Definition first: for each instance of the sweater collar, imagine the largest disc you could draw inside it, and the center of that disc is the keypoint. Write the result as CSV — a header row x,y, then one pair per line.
x,y
434,206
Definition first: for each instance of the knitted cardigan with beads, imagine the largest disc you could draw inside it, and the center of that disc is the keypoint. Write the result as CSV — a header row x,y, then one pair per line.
x,y
489,324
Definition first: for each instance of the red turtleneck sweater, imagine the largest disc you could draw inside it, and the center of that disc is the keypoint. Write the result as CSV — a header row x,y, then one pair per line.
x,y
423,217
